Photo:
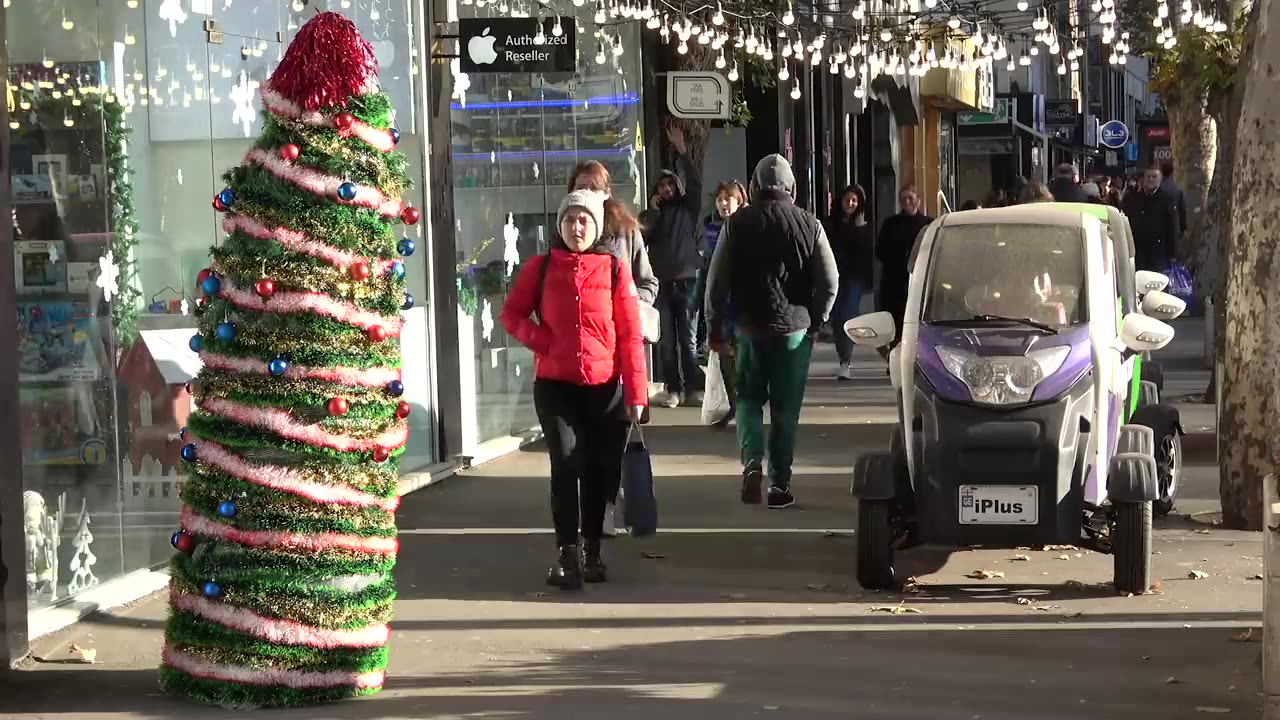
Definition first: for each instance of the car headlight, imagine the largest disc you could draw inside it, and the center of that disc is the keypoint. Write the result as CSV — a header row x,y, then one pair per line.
x,y
1002,380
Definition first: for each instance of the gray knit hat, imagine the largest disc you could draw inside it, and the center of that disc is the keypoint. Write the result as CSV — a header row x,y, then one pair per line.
x,y
589,200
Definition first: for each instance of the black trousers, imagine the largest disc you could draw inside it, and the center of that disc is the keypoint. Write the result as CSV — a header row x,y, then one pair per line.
x,y
585,446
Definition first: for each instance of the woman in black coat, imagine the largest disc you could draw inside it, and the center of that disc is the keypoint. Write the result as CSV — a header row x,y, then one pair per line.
x,y
853,241
897,237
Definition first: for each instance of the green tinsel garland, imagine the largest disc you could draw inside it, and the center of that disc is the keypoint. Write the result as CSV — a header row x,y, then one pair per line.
x,y
259,508
233,563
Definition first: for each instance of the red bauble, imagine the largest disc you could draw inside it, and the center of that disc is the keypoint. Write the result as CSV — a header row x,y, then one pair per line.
x,y
217,204
380,455
186,544
265,288
339,406
290,151
344,120
377,333
360,271
402,409
410,216
203,275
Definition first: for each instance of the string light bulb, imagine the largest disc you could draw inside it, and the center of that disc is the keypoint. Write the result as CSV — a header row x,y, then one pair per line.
x,y
1023,5
783,73
540,38
600,56
720,61
954,22
600,16
733,72
718,18
788,18
557,30
795,91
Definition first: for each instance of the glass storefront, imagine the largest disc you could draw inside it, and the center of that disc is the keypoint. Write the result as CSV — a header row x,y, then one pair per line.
x,y
516,139
123,117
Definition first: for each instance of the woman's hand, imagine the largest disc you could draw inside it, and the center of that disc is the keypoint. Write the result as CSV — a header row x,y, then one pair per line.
x,y
634,413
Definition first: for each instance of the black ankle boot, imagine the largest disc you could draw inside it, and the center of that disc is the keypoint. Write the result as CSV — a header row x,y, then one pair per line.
x,y
593,568
566,574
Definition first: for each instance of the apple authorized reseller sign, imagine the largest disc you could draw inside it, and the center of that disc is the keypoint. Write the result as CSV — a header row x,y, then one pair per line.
x,y
495,45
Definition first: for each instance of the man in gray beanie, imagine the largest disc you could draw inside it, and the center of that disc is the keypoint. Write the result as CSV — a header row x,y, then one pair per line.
x,y
774,258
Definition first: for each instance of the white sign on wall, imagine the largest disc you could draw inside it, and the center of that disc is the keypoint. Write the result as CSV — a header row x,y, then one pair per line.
x,y
699,95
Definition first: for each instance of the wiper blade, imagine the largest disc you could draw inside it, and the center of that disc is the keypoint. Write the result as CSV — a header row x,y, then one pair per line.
x,y
1049,329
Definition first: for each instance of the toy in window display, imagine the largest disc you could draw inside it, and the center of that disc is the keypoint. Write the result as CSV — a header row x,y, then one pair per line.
x,y
42,534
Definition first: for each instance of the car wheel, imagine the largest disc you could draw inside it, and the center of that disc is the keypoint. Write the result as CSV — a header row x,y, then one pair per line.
x,y
1168,456
874,541
1131,547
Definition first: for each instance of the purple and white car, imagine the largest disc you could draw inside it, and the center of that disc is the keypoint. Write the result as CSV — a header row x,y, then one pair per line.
x,y
1014,371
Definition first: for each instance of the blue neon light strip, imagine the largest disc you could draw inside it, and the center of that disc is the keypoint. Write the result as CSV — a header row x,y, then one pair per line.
x,y
608,100
551,154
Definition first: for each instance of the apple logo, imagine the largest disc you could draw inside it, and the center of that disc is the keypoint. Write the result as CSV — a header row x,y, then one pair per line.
x,y
481,48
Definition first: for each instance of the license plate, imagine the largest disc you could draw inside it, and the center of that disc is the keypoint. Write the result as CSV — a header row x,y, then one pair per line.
x,y
999,505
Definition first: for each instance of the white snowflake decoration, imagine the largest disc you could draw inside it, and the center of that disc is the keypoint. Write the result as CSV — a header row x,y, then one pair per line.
x,y
241,97
510,250
185,307
486,321
537,171
172,11
53,254
108,276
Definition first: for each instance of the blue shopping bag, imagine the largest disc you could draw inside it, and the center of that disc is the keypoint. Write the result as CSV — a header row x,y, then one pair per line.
x,y
640,505
1181,284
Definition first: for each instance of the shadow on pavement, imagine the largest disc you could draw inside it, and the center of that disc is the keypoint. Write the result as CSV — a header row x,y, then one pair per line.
x,y
886,673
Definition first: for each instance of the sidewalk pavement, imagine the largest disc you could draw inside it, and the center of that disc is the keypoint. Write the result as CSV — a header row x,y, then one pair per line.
x,y
740,612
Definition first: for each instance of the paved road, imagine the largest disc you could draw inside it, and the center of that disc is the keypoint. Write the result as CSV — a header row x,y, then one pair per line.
x,y
735,612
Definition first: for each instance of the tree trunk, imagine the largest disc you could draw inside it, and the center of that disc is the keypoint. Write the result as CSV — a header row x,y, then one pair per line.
x,y
1205,253
1195,147
1250,349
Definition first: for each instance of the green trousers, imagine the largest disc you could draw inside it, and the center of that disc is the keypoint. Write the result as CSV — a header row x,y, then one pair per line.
x,y
771,369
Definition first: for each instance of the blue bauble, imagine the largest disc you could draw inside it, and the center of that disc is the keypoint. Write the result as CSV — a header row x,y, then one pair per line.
x,y
395,136
173,539
347,191
212,590
189,452
397,269
226,331
227,509
395,388
408,302
278,366
182,434
195,343
226,197
406,246
211,285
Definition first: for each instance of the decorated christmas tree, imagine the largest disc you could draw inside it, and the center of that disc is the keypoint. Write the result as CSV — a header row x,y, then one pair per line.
x,y
281,588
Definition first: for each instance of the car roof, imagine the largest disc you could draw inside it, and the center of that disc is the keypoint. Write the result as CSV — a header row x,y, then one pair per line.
x,y
1030,214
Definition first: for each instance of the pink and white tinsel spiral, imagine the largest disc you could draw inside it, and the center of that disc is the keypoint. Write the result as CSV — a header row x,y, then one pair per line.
x,y
286,479
293,303
282,540
349,376
324,185
281,423
296,679
300,242
282,632
281,106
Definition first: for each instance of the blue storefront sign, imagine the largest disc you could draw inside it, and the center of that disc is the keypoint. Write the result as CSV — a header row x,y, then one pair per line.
x,y
1114,134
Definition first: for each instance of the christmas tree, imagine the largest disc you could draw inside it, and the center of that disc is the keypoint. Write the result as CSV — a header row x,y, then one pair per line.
x,y
281,590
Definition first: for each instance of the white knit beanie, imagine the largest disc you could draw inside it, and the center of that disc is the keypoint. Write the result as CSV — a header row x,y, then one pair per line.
x,y
589,200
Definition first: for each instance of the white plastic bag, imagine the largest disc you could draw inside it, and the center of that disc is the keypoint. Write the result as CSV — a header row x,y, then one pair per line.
x,y
715,397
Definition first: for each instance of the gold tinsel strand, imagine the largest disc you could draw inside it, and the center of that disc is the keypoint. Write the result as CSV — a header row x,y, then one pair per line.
x,y
292,273
221,384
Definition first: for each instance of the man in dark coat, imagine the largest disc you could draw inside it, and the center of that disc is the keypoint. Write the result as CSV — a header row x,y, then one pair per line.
x,y
1153,216
775,258
897,238
673,233
1065,185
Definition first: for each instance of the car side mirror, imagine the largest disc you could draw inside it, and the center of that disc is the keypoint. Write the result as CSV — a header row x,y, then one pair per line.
x,y
1141,333
871,330
1162,305
1149,281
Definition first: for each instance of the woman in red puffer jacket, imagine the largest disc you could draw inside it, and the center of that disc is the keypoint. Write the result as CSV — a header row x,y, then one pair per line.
x,y
589,368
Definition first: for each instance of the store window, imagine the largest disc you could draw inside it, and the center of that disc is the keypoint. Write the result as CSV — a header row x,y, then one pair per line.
x,y
124,115
516,139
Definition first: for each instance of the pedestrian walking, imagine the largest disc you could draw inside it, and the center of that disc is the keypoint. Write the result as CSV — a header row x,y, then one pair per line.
x,y
730,197
774,258
1036,192
621,231
1153,217
589,367
672,232
897,237
1065,185
852,241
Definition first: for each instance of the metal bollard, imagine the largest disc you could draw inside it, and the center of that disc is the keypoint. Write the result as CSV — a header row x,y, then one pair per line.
x,y
1271,600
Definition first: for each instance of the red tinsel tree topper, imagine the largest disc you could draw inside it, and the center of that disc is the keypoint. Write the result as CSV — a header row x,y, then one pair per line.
x,y
326,63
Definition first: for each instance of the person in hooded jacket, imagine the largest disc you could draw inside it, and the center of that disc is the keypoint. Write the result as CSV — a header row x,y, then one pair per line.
x,y
674,236
589,366
853,242
1065,185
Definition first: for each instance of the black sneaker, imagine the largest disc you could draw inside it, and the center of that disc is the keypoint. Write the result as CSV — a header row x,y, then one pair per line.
x,y
593,568
752,485
566,574
780,498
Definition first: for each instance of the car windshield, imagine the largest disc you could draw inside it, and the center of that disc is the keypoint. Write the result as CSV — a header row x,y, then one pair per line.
x,y
1006,272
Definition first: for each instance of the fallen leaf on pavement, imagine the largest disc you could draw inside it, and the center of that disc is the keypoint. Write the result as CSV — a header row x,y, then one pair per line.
x,y
1245,635
1257,576
913,585
818,586
1197,575
1025,601
735,596
653,556
1202,531
1073,585
1146,657
538,594
1156,587
1058,548
899,609
1212,709
1171,680
1046,608
1020,558
985,574
1064,556
87,655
